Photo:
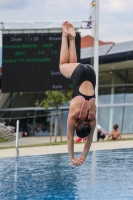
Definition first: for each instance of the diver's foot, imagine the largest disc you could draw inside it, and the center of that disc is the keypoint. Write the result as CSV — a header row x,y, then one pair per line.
x,y
71,31
65,28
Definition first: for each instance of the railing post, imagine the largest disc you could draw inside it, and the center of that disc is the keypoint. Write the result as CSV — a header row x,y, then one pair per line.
x,y
61,126
55,128
17,138
51,128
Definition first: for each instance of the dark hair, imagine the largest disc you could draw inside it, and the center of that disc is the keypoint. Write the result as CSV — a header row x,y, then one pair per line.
x,y
83,129
115,126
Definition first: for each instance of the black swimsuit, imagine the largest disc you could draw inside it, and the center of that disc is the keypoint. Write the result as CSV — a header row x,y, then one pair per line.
x,y
83,72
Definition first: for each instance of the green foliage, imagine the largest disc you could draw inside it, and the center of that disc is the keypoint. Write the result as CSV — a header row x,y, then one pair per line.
x,y
56,98
3,140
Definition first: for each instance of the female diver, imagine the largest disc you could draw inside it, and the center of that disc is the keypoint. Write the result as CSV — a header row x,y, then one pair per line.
x,y
82,112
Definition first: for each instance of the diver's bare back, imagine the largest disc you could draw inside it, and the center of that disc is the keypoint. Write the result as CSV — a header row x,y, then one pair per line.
x,y
76,104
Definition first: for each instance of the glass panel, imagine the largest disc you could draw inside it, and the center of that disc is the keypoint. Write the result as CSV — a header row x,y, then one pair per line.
x,y
108,116
128,120
119,94
104,95
118,116
130,77
129,94
64,122
120,77
103,117
105,78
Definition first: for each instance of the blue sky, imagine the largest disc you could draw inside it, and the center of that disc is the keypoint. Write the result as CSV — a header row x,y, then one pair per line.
x,y
115,16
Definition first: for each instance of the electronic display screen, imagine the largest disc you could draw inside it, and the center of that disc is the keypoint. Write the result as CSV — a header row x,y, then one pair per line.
x,y
30,62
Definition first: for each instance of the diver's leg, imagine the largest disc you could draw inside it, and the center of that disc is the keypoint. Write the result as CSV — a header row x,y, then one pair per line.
x,y
64,52
72,47
67,68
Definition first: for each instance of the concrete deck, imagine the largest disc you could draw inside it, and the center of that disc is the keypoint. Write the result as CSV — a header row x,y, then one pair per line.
x,y
42,139
32,140
28,151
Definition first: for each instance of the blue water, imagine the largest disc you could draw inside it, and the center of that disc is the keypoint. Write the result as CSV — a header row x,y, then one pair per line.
x,y
105,175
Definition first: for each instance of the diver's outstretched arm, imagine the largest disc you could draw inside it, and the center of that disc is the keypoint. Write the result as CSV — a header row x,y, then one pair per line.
x,y
88,140
80,161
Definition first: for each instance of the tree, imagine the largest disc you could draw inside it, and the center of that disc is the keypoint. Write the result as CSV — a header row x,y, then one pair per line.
x,y
56,99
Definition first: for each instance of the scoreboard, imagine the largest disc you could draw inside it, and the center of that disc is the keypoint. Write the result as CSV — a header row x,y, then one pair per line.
x,y
30,62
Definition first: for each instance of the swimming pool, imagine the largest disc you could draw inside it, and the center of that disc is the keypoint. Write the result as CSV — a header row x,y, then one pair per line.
x,y
106,175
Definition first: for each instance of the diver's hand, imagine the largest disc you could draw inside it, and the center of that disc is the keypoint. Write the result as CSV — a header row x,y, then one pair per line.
x,y
76,162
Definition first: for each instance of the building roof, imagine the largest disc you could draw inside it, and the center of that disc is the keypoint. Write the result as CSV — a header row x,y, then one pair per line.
x,y
88,41
109,53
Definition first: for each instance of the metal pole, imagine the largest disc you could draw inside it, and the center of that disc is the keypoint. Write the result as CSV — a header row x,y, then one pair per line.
x,y
17,132
55,128
96,58
61,127
51,128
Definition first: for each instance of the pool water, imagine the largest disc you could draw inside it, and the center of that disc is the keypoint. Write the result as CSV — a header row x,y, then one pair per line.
x,y
105,175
